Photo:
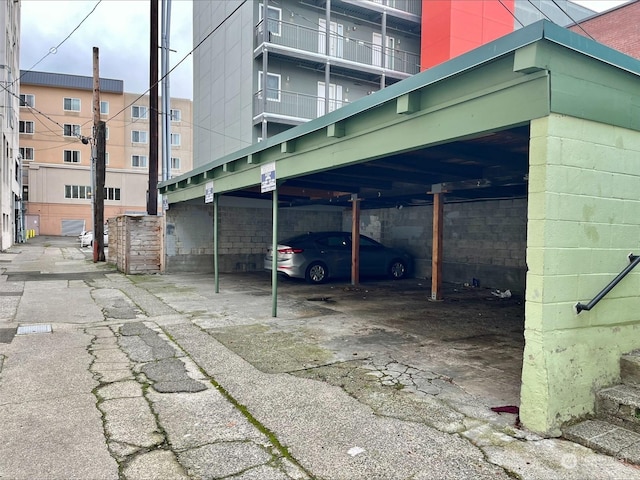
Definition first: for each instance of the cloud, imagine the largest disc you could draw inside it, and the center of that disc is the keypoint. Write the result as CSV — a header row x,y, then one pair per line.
x,y
119,28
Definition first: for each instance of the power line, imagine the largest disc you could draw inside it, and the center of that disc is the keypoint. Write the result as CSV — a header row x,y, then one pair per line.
x,y
574,22
511,13
54,50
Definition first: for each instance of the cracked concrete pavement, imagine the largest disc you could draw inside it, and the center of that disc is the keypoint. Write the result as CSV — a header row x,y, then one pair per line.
x,y
158,377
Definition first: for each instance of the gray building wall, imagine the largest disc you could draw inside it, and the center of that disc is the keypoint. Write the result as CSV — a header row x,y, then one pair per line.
x,y
223,78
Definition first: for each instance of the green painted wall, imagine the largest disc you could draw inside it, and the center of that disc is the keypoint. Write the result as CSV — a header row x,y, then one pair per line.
x,y
583,221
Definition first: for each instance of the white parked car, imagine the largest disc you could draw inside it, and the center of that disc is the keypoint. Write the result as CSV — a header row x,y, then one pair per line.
x,y
86,238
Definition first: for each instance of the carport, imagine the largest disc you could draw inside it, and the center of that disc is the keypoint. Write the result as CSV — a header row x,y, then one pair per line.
x,y
542,114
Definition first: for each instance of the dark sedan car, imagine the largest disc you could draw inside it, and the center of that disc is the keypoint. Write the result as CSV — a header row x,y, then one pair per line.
x,y
318,256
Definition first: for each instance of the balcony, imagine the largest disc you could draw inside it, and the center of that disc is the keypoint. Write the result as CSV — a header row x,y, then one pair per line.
x,y
291,39
290,107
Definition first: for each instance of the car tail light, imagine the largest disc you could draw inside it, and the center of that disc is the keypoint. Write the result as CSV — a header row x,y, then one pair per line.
x,y
289,250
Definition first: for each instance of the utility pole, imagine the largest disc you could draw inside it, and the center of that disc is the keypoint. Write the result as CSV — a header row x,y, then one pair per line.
x,y
152,200
166,99
99,159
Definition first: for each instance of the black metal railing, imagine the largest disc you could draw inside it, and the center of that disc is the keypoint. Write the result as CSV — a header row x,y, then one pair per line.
x,y
634,260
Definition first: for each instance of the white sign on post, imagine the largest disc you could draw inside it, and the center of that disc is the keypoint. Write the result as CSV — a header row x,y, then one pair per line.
x,y
268,177
208,192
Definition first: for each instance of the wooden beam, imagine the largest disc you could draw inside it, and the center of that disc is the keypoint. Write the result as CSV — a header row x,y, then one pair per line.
x,y
436,256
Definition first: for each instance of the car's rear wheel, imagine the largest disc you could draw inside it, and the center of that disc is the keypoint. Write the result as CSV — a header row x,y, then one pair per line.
x,y
316,273
398,269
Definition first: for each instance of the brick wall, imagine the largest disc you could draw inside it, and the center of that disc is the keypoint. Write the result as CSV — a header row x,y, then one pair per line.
x,y
619,28
485,240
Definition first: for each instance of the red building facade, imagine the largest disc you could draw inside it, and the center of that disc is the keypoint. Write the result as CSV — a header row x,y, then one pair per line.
x,y
451,27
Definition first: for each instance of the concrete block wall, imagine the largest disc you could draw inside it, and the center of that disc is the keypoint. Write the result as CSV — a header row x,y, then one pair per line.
x,y
485,240
584,204
245,231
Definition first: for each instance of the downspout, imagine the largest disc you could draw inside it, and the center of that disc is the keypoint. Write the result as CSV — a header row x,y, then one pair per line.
x,y
327,66
265,65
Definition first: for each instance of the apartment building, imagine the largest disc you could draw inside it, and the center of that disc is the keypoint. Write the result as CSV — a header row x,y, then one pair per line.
x,y
10,166
56,138
254,78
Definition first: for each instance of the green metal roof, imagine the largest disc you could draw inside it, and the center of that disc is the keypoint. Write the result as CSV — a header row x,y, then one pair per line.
x,y
542,30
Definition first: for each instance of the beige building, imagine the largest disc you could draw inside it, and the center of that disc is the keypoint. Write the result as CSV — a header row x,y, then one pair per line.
x,y
56,130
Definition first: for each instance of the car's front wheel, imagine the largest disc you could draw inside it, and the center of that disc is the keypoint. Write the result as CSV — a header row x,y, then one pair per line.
x,y
316,273
397,269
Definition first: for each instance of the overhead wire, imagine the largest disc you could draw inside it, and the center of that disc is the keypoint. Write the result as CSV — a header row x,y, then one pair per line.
x,y
574,22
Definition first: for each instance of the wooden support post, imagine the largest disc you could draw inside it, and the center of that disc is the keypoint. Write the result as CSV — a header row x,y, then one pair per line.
x,y
355,239
436,257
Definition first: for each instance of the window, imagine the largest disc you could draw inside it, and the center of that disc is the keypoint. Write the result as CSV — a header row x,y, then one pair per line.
x,y
106,158
72,104
175,139
27,100
175,163
175,115
71,130
104,108
138,136
274,18
77,191
106,133
111,193
26,153
72,156
138,111
26,126
273,86
139,161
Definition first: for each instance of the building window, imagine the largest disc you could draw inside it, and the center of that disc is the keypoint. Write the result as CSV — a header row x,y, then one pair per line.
x,y
77,191
106,158
175,115
138,111
139,161
71,130
111,193
175,163
26,126
273,86
138,136
274,18
72,156
106,133
26,153
71,104
104,108
175,139
27,100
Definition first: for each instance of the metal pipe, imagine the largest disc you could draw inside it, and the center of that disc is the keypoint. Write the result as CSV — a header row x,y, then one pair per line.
x,y
216,274
274,257
634,259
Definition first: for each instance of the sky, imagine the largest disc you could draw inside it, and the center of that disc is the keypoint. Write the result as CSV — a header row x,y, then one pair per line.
x,y
120,30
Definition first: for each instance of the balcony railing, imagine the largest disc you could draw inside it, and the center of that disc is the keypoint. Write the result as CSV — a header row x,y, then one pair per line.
x,y
296,106
341,47
410,6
